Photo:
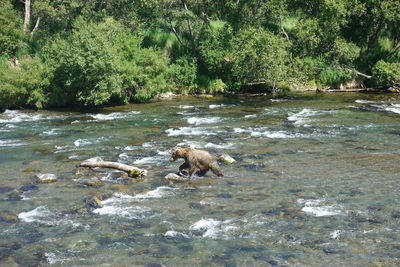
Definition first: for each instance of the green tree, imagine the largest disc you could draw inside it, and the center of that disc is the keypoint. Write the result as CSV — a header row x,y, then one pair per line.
x,y
144,71
86,65
10,30
259,57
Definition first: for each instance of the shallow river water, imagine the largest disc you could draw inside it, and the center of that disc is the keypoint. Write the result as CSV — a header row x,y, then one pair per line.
x,y
316,183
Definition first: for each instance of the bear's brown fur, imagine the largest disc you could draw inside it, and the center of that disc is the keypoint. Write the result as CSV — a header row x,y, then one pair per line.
x,y
196,159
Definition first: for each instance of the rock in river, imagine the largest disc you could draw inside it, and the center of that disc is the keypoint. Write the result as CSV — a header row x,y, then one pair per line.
x,y
91,182
46,178
176,178
8,217
225,158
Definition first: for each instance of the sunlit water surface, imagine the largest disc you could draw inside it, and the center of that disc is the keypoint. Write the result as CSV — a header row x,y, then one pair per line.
x,y
316,183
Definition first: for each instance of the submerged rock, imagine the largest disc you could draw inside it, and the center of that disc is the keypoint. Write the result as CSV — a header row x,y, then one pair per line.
x,y
225,158
5,189
14,195
94,201
46,178
28,187
8,217
91,182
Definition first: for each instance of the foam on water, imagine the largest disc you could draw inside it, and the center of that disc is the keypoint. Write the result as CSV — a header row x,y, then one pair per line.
x,y
240,130
51,132
302,117
52,258
335,234
250,116
121,205
159,192
130,212
176,234
163,153
278,100
362,101
216,106
213,228
198,120
85,142
114,115
277,134
314,207
193,131
185,107
196,144
40,214
395,108
10,142
149,160
16,116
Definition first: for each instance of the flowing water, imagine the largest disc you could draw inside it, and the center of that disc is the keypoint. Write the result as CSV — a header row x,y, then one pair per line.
x,y
316,183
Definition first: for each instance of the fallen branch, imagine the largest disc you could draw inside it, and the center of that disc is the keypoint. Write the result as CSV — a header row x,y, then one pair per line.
x,y
99,162
363,75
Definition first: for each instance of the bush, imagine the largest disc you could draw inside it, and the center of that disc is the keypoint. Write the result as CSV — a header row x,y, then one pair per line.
x,y
215,47
23,85
144,71
331,76
86,65
259,57
10,30
387,74
184,75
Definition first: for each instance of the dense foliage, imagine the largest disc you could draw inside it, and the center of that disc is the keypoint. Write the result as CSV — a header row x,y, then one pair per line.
x,y
72,52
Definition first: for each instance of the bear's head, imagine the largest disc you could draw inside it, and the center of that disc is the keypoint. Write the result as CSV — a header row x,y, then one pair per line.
x,y
177,154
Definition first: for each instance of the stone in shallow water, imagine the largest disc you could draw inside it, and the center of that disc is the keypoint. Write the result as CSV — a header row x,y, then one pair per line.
x,y
5,189
225,158
176,178
8,217
91,182
28,187
14,195
46,178
93,202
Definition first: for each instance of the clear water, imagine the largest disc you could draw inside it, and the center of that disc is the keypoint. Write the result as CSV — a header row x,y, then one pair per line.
x,y
316,183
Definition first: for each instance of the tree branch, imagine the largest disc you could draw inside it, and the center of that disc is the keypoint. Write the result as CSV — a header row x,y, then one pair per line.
x,y
36,27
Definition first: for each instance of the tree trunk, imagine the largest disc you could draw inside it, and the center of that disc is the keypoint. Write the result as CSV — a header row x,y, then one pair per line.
x,y
99,162
27,15
36,27
189,22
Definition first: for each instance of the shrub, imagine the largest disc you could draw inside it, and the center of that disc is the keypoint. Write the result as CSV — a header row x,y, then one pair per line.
x,y
86,65
144,71
387,74
259,56
10,30
23,85
184,75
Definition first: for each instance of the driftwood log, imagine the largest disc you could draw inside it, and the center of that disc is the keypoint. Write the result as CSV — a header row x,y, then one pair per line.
x,y
99,162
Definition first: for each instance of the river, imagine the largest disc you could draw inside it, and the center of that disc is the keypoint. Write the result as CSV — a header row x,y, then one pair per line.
x,y
316,183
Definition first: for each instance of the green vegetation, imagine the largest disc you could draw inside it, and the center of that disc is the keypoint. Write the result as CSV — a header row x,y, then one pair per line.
x,y
91,53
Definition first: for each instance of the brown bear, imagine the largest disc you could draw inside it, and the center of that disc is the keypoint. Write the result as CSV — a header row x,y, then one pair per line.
x,y
196,159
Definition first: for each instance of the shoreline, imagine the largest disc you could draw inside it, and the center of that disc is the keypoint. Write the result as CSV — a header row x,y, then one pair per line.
x,y
169,96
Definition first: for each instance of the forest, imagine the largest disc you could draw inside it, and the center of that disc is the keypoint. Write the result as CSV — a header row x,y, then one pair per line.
x,y
57,53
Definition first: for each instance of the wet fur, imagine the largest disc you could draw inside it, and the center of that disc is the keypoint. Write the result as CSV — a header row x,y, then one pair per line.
x,y
196,159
